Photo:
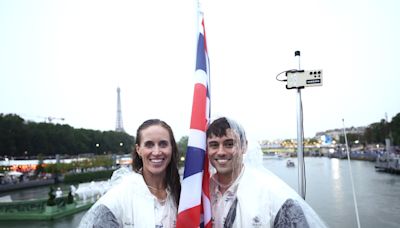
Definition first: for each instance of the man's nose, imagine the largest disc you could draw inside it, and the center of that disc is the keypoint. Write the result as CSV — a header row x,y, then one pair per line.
x,y
221,149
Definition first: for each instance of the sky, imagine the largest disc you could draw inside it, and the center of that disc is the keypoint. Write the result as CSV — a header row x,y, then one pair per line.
x,y
65,59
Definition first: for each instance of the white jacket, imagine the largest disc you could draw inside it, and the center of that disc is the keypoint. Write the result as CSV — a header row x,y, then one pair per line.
x,y
261,194
130,204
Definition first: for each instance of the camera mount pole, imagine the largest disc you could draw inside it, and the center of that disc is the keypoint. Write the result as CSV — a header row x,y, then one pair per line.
x,y
300,140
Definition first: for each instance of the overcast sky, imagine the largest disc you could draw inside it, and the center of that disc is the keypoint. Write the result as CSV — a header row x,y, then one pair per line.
x,y
65,59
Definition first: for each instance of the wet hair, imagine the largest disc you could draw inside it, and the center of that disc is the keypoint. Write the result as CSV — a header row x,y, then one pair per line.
x,y
172,179
220,126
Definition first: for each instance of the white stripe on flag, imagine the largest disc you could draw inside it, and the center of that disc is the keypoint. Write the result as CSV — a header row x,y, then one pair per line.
x,y
208,110
206,205
200,77
197,139
192,187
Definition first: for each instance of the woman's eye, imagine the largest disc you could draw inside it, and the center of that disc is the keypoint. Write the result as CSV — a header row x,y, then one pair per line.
x,y
148,144
163,144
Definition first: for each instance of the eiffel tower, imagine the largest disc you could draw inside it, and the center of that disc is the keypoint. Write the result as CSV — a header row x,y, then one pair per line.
x,y
119,126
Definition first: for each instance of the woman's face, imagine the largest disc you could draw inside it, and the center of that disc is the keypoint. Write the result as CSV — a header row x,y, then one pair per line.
x,y
155,150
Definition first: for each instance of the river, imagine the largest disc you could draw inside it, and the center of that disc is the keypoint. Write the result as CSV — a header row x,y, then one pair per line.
x,y
328,191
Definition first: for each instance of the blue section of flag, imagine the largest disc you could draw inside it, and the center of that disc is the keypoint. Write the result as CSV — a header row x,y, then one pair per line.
x,y
194,161
201,63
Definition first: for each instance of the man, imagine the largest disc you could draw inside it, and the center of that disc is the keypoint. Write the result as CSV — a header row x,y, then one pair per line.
x,y
243,196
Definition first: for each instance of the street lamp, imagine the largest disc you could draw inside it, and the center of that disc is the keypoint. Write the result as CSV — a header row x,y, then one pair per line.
x,y
121,144
97,148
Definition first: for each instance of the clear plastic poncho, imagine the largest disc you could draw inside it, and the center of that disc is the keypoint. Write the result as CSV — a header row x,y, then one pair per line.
x,y
261,190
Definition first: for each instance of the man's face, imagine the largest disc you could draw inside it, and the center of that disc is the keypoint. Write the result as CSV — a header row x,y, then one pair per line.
x,y
225,154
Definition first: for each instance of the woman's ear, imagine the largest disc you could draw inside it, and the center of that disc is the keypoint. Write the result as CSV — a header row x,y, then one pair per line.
x,y
137,150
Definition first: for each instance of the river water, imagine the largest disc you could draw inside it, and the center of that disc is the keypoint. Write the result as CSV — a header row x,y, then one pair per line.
x,y
329,192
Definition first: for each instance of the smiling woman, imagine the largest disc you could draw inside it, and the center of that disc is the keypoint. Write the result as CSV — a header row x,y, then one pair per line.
x,y
156,156
149,196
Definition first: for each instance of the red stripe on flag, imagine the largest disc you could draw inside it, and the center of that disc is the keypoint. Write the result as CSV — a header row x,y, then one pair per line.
x,y
199,119
206,191
189,218
204,32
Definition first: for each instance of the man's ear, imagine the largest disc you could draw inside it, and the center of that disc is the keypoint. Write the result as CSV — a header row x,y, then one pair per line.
x,y
244,147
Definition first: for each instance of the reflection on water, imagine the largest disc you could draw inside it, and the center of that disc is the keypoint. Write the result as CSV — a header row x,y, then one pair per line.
x,y
335,168
328,192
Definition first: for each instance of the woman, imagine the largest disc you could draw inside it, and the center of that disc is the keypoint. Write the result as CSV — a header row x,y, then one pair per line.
x,y
149,196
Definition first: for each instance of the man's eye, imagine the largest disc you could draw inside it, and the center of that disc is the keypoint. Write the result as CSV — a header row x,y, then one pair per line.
x,y
228,144
213,145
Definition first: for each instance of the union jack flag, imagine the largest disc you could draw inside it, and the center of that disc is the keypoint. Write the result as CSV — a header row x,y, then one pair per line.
x,y
194,206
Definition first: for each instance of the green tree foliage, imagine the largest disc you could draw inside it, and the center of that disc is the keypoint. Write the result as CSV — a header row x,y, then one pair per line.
x,y
395,129
377,132
182,147
352,138
23,138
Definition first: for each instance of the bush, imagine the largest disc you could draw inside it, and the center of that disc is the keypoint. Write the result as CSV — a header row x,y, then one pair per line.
x,y
88,177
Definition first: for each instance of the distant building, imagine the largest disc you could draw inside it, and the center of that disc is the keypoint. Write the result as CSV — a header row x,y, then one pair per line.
x,y
336,133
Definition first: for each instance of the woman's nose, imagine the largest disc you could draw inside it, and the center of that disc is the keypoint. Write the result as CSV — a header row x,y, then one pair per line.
x,y
156,149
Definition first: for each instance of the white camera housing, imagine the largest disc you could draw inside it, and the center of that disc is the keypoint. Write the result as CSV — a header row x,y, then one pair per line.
x,y
303,78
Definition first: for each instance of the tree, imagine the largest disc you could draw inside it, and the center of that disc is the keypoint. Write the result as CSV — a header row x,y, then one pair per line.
x,y
395,129
377,132
182,147
20,138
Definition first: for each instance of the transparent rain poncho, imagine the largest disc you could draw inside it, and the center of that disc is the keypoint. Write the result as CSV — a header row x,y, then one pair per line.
x,y
263,199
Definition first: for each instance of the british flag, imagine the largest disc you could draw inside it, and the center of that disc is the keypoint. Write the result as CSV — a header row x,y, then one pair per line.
x,y
194,206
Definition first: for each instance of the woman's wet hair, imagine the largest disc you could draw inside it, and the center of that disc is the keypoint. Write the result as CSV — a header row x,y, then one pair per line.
x,y
172,178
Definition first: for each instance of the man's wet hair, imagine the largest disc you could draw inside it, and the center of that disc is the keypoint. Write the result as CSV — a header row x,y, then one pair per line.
x,y
220,126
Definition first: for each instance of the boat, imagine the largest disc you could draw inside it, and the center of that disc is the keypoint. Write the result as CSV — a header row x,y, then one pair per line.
x,y
289,163
389,163
40,210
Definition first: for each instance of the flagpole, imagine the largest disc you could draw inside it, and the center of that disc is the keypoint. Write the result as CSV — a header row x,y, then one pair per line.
x,y
194,208
300,140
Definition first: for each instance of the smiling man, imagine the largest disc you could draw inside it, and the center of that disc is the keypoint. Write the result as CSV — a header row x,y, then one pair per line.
x,y
244,196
